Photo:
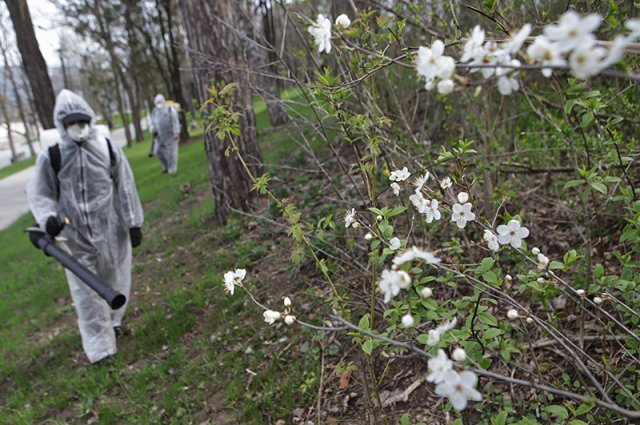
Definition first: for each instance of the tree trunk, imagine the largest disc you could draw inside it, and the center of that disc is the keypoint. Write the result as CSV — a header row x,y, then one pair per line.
x,y
33,121
34,63
16,94
209,35
121,109
272,84
7,120
173,59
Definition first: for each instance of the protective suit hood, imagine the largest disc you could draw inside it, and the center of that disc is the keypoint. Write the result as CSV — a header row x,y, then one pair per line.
x,y
67,103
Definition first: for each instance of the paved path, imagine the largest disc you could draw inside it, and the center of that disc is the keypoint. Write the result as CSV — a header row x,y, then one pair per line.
x,y
13,198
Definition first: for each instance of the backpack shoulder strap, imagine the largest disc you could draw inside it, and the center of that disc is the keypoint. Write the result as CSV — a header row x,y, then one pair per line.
x,y
55,158
112,154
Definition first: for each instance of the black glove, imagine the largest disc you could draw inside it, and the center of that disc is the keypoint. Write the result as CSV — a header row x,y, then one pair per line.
x,y
54,226
35,236
136,236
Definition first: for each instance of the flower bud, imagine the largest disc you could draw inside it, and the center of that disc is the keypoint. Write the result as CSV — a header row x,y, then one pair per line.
x,y
597,300
287,301
540,280
580,292
459,355
512,314
289,320
368,237
463,197
426,292
407,321
508,277
529,320
535,251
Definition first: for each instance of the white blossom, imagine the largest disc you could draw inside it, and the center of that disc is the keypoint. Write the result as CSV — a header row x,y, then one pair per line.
x,y
431,63
463,197
321,32
587,60
431,211
445,87
343,21
459,354
421,181
289,319
633,25
399,175
233,278
350,219
426,292
439,366
491,239
394,243
462,214
459,388
507,81
445,183
573,31
396,188
545,52
512,233
616,51
271,316
433,338
543,260
415,253
419,202
514,44
407,320
512,314
391,281
473,47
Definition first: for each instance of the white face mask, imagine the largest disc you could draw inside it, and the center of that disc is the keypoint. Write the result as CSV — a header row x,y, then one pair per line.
x,y
79,132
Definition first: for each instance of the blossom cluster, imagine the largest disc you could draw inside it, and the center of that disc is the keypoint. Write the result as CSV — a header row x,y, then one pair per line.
x,y
569,43
458,387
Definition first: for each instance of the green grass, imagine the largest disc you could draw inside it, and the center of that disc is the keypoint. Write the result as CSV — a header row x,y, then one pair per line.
x,y
15,167
187,356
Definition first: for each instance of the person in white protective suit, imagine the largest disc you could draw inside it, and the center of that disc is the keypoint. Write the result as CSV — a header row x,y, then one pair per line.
x,y
89,182
165,128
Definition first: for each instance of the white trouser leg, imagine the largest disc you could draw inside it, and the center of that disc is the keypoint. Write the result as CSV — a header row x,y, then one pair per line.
x,y
94,320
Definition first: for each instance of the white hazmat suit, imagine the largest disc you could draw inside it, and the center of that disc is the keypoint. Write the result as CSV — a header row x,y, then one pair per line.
x,y
96,191
165,125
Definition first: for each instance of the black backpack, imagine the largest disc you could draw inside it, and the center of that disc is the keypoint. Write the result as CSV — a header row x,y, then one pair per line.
x,y
56,159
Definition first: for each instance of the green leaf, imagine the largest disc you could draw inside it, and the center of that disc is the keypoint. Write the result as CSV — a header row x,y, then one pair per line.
x,y
367,347
364,322
577,422
404,420
573,183
485,265
500,419
558,411
491,278
599,186
556,265
584,408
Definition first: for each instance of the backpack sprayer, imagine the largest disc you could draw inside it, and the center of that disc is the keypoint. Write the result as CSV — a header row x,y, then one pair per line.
x,y
42,240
